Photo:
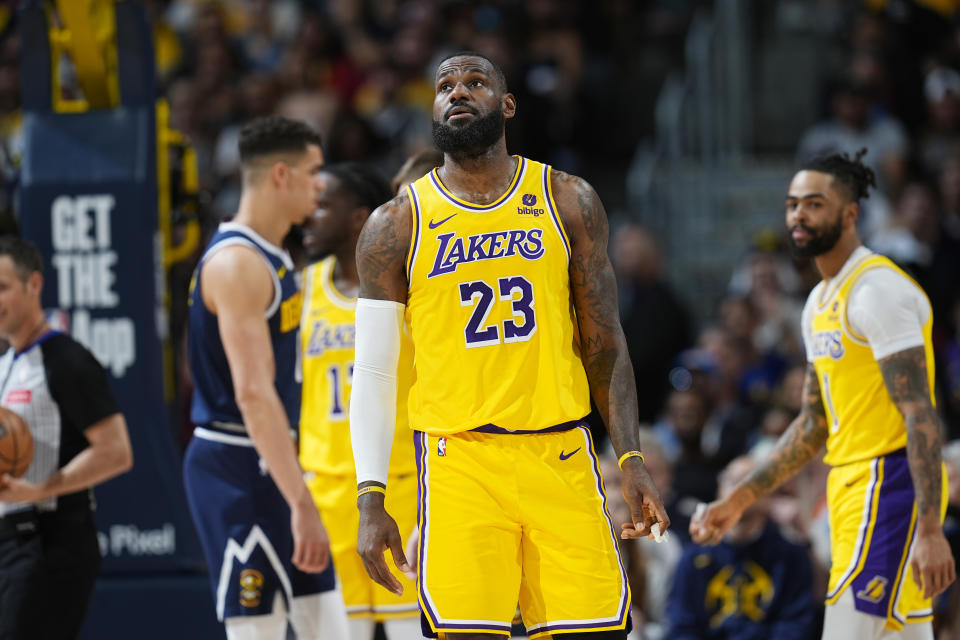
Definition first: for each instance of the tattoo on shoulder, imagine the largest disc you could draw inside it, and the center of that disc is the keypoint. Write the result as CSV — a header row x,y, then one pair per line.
x,y
382,250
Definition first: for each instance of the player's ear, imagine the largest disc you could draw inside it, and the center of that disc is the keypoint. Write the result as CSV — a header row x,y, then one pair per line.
x,y
358,217
851,211
279,173
35,283
509,105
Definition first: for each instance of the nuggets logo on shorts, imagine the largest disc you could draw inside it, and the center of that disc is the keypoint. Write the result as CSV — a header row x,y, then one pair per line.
x,y
251,584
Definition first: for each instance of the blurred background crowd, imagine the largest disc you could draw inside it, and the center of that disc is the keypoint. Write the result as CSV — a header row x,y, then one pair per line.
x,y
616,91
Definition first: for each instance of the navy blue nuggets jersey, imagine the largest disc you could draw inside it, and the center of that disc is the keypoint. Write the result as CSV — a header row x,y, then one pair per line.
x,y
213,395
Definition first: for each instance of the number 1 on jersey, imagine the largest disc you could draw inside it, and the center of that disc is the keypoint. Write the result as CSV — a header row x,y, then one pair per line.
x,y
479,294
828,401
338,403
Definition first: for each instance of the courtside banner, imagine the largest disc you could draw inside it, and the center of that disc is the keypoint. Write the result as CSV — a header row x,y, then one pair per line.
x,y
88,200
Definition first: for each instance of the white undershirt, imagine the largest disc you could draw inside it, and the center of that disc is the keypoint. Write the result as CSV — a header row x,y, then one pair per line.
x,y
885,307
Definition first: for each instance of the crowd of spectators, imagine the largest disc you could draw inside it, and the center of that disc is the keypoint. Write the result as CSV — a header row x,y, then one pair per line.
x,y
713,393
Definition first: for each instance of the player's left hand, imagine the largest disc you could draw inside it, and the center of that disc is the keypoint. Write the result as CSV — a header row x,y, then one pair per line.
x,y
932,563
19,490
646,506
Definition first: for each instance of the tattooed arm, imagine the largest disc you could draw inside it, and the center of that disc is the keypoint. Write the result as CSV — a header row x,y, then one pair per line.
x,y
381,253
905,376
802,440
602,343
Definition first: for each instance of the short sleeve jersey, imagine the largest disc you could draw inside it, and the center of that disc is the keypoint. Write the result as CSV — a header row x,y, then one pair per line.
x,y
60,389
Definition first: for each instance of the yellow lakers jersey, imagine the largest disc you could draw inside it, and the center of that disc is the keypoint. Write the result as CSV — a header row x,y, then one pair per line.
x,y
327,347
863,420
490,310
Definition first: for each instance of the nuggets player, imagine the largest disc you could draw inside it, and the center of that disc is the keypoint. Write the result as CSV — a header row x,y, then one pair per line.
x,y
498,264
868,397
262,537
349,192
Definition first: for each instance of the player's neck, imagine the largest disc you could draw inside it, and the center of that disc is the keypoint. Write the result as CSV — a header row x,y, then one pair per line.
x,y
345,277
258,212
830,263
33,327
479,179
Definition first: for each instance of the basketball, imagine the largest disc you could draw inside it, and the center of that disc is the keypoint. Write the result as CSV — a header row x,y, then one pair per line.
x,y
16,444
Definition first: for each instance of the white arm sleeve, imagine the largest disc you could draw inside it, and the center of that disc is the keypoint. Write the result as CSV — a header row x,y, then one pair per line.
x,y
889,311
373,401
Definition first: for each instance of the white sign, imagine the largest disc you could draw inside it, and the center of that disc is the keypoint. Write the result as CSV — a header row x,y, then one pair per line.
x,y
85,262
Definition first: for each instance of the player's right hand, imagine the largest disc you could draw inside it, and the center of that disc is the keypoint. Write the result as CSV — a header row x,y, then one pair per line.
x,y
311,545
711,521
379,532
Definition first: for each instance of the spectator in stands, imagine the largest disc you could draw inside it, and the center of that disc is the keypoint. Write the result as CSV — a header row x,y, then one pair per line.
x,y
653,337
753,585
694,472
657,562
940,140
851,127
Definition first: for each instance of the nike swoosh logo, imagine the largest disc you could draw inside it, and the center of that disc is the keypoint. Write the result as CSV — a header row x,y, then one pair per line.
x,y
854,481
564,456
434,225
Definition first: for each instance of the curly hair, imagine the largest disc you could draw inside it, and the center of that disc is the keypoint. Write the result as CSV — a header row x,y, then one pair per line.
x,y
856,177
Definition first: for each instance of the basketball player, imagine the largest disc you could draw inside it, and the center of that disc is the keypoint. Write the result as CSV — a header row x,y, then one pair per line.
x,y
49,555
348,193
499,266
262,537
868,397
415,167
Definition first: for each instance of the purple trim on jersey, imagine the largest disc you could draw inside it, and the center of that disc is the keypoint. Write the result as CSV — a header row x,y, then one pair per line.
x,y
892,533
563,426
553,211
920,616
862,538
488,207
415,201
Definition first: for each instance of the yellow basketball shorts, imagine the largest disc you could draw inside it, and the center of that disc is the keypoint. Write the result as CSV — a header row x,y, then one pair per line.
x,y
508,518
336,499
873,521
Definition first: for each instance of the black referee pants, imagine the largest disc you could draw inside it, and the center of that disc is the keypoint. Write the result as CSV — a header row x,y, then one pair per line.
x,y
48,565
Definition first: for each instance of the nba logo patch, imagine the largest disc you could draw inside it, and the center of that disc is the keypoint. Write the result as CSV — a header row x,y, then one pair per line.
x,y
441,447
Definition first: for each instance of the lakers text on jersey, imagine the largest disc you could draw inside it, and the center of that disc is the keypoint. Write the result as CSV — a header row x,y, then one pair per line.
x,y
490,310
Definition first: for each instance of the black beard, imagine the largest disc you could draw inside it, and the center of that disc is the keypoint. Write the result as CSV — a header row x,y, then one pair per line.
x,y
820,242
471,139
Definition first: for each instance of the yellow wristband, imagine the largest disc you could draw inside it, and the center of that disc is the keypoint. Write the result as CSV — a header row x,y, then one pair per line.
x,y
630,454
372,489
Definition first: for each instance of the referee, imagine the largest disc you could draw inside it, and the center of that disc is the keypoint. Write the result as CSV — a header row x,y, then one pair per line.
x,y
49,556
